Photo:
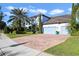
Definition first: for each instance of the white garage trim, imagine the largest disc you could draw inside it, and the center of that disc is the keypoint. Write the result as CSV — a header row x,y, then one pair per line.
x,y
59,28
49,25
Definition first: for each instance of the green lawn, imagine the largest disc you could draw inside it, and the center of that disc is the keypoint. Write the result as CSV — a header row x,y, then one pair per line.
x,y
69,48
19,35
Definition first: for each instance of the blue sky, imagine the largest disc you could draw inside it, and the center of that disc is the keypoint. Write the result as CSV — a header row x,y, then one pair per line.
x,y
49,9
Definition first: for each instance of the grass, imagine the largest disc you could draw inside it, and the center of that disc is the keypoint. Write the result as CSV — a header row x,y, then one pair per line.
x,y
19,35
68,48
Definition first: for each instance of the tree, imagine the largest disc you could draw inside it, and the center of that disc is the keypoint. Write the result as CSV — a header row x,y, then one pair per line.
x,y
40,24
74,25
2,23
18,17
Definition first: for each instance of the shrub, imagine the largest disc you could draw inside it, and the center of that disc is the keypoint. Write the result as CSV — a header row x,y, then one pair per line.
x,y
76,33
13,34
21,32
34,29
10,34
6,30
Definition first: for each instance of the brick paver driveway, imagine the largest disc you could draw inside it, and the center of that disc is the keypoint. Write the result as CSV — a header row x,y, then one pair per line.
x,y
42,41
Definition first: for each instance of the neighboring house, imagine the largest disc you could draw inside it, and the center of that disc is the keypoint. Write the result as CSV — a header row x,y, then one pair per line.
x,y
35,20
44,19
57,25
26,24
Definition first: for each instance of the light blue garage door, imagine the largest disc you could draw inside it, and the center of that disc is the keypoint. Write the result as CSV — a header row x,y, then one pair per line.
x,y
49,30
64,30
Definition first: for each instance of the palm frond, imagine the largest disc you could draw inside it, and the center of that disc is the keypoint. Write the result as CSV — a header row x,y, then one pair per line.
x,y
11,19
19,15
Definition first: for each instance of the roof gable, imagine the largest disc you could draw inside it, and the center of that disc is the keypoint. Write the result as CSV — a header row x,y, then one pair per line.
x,y
41,15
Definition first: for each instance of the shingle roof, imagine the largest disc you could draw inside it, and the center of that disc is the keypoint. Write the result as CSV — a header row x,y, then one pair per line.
x,y
59,19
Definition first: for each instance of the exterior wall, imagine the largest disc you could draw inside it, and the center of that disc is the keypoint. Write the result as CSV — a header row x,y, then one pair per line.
x,y
37,20
25,24
52,28
34,22
43,19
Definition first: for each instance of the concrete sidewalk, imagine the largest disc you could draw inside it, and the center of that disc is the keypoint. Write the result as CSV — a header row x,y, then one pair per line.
x,y
20,50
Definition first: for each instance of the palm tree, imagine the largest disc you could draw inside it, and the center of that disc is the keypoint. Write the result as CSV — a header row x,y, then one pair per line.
x,y
18,17
2,23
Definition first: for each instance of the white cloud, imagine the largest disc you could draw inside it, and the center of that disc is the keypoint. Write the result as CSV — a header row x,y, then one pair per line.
x,y
38,11
7,13
41,11
32,10
26,9
56,11
70,9
10,7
